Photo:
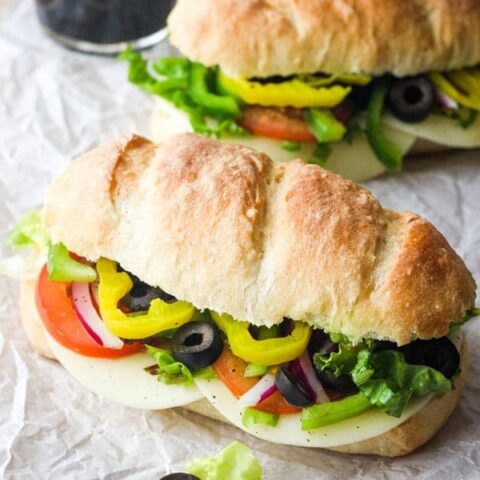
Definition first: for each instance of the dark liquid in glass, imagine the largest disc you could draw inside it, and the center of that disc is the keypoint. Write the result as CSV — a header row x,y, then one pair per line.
x,y
104,21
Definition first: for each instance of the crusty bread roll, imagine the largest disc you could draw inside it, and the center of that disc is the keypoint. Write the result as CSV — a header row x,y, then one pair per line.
x,y
401,440
225,228
260,38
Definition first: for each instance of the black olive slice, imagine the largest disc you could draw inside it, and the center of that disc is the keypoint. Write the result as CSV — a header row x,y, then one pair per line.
x,y
141,295
438,353
342,383
179,476
411,99
292,390
382,345
197,345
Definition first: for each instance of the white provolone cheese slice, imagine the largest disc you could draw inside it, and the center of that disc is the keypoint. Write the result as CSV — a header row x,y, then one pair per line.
x,y
355,161
441,130
288,431
124,380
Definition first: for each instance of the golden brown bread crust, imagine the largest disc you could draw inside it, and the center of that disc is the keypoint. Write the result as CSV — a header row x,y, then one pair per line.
x,y
250,38
224,228
399,441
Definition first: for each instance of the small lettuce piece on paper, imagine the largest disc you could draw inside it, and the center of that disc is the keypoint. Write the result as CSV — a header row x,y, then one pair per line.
x,y
29,232
235,462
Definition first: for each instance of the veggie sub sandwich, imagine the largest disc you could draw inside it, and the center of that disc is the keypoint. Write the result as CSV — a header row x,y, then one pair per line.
x,y
278,297
352,85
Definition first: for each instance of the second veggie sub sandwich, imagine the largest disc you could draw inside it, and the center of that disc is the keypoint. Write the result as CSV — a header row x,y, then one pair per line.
x,y
353,85
279,297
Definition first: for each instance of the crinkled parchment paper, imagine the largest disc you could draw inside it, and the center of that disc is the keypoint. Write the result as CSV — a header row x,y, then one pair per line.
x,y
55,104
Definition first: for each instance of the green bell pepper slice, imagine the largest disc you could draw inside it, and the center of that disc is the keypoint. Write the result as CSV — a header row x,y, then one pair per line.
x,y
271,351
252,416
253,370
387,152
220,105
63,268
161,316
327,413
324,125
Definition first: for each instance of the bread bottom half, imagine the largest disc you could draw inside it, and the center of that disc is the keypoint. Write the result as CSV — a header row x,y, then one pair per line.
x,y
401,440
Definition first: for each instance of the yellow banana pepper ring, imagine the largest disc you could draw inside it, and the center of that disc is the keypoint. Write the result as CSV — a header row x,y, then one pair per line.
x,y
349,78
291,93
271,351
468,80
161,316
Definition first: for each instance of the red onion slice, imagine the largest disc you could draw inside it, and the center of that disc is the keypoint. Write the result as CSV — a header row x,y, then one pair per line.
x,y
89,318
94,295
444,100
260,391
267,393
303,369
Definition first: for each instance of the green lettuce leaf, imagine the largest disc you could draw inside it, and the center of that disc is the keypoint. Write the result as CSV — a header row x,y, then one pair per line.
x,y
339,362
30,232
342,361
171,67
473,312
191,88
235,462
469,314
338,338
389,382
383,377
168,369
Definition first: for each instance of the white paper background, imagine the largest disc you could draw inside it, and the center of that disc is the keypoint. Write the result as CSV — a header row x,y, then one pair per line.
x,y
55,104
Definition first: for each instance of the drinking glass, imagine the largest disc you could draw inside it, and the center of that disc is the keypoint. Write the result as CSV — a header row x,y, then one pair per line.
x,y
105,26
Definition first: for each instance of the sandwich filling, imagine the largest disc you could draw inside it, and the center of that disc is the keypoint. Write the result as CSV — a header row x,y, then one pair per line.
x,y
319,109
99,310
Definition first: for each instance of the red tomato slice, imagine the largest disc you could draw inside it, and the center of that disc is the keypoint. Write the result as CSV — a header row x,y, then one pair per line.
x,y
230,369
56,310
281,124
